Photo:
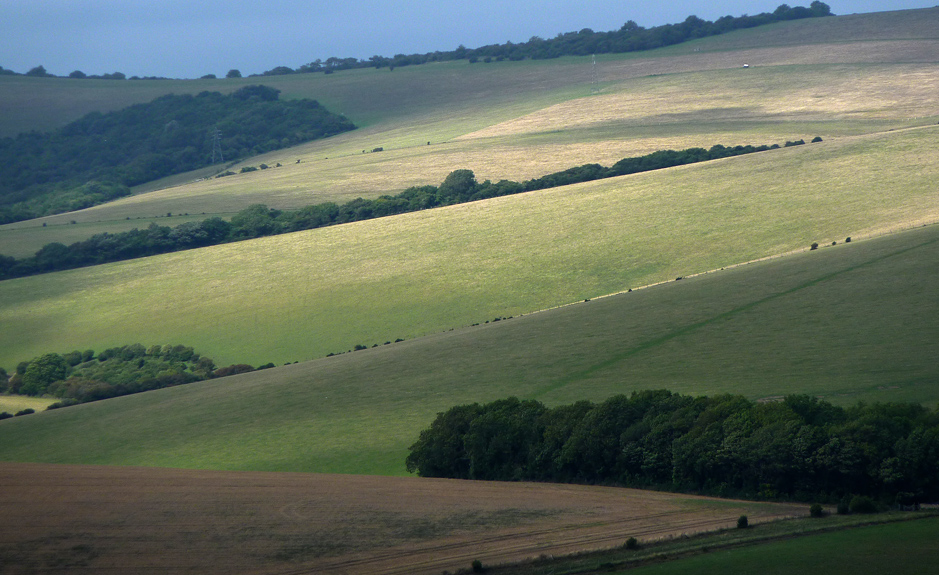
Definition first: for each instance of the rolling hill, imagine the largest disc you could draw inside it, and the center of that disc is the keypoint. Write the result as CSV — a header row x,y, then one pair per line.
x,y
806,320
849,322
518,120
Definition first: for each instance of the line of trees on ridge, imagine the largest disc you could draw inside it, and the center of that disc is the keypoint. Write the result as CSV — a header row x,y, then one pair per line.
x,y
256,221
799,449
631,37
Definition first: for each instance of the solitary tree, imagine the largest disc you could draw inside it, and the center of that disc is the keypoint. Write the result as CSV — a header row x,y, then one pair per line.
x,y
233,74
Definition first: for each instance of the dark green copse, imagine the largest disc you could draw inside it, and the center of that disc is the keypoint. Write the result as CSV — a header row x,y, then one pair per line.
x,y
47,173
800,448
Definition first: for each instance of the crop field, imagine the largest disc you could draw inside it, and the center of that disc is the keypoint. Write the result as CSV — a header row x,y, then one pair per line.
x,y
301,296
849,322
88,519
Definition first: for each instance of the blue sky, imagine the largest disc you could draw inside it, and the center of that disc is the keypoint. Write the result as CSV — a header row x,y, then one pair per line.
x,y
189,38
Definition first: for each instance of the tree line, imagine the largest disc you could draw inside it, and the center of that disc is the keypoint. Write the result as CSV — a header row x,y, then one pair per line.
x,y
800,448
82,376
256,221
96,158
629,38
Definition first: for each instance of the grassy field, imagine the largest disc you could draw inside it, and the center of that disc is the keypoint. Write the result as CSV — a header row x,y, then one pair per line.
x,y
848,322
15,403
904,547
301,296
517,120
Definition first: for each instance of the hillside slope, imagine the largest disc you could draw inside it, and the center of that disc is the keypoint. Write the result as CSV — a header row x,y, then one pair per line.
x,y
851,322
303,295
518,120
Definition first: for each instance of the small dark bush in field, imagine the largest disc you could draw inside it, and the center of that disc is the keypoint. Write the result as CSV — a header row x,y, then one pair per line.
x,y
847,240
478,566
359,347
743,522
816,139
816,510
26,411
862,504
266,366
632,543
844,506
5,415
814,245
248,169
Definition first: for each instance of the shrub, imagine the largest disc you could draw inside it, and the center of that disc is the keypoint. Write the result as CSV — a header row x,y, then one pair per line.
x,y
862,504
816,510
632,543
26,411
743,522
814,245
5,415
816,139
478,566
232,370
843,506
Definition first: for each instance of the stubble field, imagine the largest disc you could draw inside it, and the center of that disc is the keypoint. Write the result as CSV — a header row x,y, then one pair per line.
x,y
87,519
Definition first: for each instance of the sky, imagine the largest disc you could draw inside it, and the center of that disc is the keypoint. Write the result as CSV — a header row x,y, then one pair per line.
x,y
191,38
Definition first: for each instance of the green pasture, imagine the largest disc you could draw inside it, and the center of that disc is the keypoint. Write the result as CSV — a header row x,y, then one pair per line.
x,y
850,322
905,547
301,296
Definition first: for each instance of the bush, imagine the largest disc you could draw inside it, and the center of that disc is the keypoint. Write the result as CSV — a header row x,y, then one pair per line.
x,y
862,504
632,543
478,566
26,411
816,510
743,522
843,506
814,246
5,415
816,139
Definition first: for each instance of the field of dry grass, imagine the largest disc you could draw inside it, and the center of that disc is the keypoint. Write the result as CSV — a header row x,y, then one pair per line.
x,y
87,519
519,120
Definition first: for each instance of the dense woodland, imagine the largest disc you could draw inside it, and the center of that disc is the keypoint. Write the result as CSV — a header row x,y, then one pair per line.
x,y
800,448
82,376
258,220
96,159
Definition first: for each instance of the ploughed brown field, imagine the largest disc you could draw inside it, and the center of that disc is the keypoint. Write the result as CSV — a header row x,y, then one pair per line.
x,y
84,519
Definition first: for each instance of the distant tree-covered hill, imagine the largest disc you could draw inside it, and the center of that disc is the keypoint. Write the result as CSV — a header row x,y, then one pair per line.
x,y
631,37
96,158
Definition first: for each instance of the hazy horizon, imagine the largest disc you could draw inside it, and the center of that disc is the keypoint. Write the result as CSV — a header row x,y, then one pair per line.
x,y
178,39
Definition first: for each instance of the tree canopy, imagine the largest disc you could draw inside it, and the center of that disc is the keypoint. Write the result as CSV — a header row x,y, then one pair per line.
x,y
800,448
96,158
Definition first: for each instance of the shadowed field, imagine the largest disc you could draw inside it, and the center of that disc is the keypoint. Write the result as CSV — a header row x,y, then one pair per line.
x,y
98,519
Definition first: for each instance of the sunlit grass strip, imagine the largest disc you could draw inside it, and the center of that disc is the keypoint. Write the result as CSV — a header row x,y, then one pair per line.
x,y
301,296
